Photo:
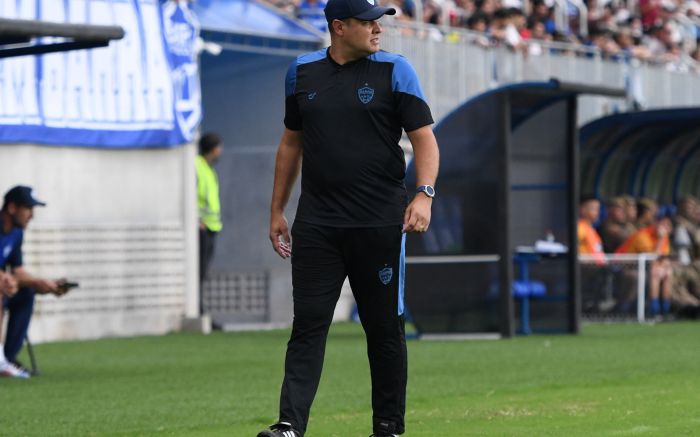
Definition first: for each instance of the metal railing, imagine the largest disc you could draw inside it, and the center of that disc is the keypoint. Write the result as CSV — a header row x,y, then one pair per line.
x,y
602,291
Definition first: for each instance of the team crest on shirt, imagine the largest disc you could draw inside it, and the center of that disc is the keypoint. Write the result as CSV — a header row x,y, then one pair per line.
x,y
6,251
371,2
366,94
385,275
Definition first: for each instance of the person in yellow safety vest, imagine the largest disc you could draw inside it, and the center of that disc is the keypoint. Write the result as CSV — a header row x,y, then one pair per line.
x,y
208,203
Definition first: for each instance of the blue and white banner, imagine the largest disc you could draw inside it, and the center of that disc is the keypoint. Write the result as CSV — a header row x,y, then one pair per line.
x,y
141,91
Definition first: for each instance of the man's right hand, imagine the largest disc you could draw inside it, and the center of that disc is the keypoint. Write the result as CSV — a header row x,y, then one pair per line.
x,y
279,235
8,285
46,286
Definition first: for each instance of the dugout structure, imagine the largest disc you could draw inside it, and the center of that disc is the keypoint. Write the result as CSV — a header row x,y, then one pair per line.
x,y
508,177
652,154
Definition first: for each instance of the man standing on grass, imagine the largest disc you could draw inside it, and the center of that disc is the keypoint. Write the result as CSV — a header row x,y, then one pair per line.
x,y
346,107
208,204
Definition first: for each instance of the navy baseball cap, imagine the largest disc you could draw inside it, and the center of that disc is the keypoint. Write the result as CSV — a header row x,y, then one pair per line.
x,y
22,196
366,10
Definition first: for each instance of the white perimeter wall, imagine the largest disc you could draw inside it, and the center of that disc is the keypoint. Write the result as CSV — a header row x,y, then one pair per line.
x,y
120,222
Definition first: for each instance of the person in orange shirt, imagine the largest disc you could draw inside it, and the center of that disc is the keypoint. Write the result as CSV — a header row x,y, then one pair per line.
x,y
589,242
647,209
655,239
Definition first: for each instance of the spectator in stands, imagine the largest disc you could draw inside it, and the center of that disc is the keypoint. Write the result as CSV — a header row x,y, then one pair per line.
x,y
408,8
432,12
479,22
538,33
209,205
543,14
650,11
601,39
655,31
503,30
647,210
17,211
696,54
458,11
615,229
311,11
487,7
628,48
654,239
519,21
659,40
287,6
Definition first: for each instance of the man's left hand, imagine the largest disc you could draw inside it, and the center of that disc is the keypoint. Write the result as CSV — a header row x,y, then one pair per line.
x,y
417,217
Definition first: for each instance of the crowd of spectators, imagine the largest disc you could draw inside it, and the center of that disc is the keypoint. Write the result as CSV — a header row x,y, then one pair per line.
x,y
655,31
639,226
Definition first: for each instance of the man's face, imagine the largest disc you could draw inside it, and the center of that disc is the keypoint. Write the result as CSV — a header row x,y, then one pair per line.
x,y
617,213
362,36
21,215
215,153
590,210
687,209
664,226
650,213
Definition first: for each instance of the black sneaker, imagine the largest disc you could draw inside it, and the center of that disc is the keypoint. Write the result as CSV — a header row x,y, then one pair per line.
x,y
280,429
384,435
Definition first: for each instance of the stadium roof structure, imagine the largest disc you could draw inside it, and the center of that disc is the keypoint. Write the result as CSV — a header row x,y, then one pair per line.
x,y
652,154
509,161
32,37
247,25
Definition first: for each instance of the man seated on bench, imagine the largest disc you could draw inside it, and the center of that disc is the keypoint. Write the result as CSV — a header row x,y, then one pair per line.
x,y
17,211
654,239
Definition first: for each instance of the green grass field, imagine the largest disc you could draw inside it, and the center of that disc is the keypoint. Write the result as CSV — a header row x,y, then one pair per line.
x,y
611,380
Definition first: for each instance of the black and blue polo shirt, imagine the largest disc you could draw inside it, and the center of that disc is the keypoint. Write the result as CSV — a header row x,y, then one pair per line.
x,y
351,117
11,248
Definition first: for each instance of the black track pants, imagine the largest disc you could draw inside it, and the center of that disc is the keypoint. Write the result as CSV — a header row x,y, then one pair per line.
x,y
372,258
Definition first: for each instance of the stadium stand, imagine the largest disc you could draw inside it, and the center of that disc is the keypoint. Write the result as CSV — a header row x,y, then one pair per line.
x,y
663,32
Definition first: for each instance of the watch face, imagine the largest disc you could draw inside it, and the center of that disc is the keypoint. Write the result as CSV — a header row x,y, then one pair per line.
x,y
427,189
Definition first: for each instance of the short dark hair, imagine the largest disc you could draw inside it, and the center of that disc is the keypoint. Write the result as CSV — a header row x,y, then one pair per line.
x,y
208,142
476,18
645,204
501,14
587,198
